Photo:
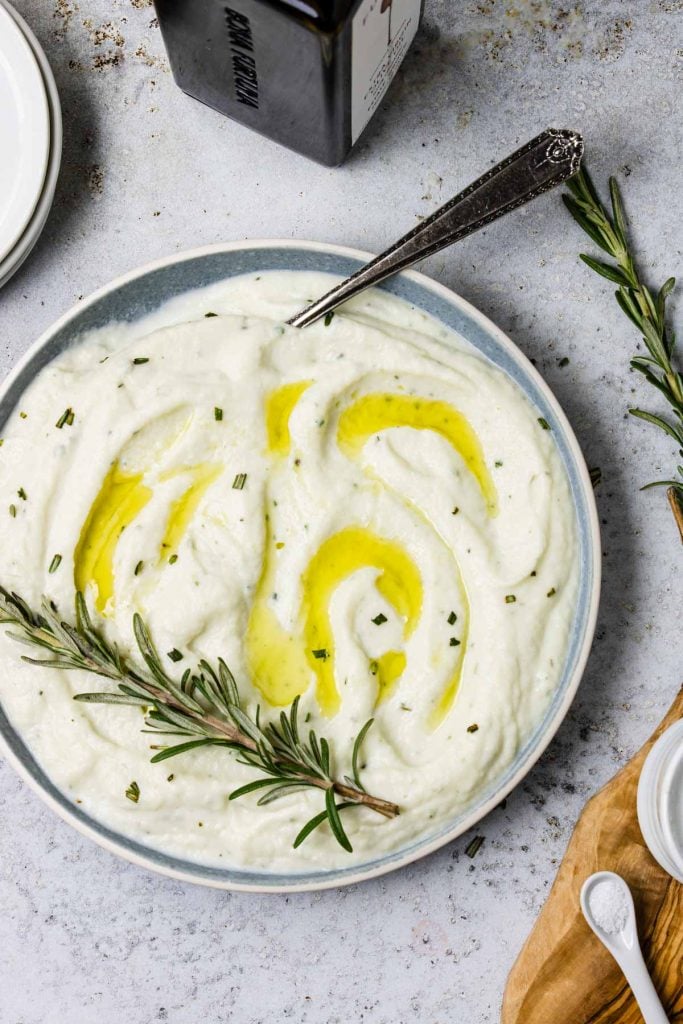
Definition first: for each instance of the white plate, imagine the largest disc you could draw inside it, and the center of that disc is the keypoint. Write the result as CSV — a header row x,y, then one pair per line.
x,y
24,132
11,263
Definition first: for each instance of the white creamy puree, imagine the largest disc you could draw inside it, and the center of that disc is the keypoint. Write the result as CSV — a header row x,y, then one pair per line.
x,y
391,474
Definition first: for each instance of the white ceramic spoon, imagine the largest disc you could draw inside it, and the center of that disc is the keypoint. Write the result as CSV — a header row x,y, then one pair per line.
x,y
624,946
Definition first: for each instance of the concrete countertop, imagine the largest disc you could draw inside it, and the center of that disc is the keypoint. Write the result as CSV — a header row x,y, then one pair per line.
x,y
147,171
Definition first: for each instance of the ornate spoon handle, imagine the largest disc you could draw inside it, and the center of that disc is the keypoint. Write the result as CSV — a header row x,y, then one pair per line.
x,y
546,161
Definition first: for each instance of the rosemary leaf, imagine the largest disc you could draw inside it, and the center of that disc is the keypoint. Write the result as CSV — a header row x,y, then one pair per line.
x,y
335,820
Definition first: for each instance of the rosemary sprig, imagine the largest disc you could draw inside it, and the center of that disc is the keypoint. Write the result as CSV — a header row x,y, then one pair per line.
x,y
645,310
204,708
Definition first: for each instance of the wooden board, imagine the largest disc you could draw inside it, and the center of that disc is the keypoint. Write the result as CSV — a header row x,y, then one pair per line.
x,y
564,975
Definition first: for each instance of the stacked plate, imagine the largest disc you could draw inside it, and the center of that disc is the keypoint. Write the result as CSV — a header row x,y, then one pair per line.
x,y
30,140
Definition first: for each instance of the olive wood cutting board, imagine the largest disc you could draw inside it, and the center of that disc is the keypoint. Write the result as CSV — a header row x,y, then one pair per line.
x,y
563,974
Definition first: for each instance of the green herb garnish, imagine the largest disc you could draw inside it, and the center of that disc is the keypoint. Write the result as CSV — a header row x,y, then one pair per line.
x,y
239,482
380,619
175,655
217,413
452,619
22,494
473,728
55,563
133,792
67,418
329,317
646,311
203,707
453,642
544,423
473,848
173,559
13,511
207,315
510,599
138,568
139,360
321,654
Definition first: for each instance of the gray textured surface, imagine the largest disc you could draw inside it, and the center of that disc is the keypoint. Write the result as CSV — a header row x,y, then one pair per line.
x,y
84,937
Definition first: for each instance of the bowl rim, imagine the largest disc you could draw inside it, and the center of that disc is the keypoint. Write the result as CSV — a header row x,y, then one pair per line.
x,y
118,846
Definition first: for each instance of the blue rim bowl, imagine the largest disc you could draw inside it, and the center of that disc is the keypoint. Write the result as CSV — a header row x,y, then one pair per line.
x,y
140,292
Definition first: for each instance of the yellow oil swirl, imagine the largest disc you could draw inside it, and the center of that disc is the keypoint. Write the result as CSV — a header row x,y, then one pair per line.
x,y
279,406
282,663
398,580
380,411
183,508
275,657
121,498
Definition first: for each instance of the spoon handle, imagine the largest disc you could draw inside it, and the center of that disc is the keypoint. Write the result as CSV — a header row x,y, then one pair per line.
x,y
644,992
546,161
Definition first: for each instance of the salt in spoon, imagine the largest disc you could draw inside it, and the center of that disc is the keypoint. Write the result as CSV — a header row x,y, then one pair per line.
x,y
544,162
607,905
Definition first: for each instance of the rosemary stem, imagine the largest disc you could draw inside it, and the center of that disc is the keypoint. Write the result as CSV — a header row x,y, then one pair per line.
x,y
235,735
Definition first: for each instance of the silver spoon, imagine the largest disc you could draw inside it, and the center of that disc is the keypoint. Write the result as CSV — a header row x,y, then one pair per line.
x,y
620,936
546,161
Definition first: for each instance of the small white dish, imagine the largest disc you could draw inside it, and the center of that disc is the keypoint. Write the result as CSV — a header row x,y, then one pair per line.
x,y
11,263
24,132
660,801
607,905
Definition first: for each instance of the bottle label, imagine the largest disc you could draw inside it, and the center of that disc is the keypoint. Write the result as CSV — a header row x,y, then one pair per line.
x,y
381,33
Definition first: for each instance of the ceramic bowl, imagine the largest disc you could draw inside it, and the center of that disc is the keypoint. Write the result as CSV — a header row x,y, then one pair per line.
x,y
142,291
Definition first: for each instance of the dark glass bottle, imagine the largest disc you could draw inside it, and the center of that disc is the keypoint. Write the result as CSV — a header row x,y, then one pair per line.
x,y
307,73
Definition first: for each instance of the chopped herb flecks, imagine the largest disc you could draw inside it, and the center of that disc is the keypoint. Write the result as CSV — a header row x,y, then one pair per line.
x,y
498,463
473,728
173,559
138,568
455,511
207,315
67,418
22,494
139,360
551,592
55,563
452,618
322,654
13,511
329,317
239,482
175,655
564,361
544,423
374,667
596,475
217,413
133,792
475,846
379,619
510,599
453,642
